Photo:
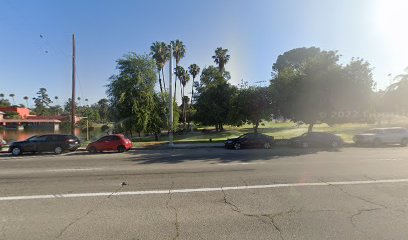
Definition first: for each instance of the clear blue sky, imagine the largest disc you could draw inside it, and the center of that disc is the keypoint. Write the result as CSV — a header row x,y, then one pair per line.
x,y
255,32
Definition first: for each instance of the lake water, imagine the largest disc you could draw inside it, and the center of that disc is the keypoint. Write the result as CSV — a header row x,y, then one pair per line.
x,y
11,135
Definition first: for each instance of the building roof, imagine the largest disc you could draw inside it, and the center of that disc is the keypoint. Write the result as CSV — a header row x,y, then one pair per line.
x,y
30,121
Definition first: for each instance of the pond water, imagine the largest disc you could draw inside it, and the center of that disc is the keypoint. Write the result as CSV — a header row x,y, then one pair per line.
x,y
11,135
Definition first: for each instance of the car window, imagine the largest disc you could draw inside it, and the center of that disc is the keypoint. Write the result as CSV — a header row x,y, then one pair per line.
x,y
42,138
115,138
103,139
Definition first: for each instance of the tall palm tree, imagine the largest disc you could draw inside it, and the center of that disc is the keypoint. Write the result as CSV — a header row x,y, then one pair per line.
x,y
2,96
184,80
56,99
86,100
221,58
26,99
12,95
194,70
79,101
179,50
161,54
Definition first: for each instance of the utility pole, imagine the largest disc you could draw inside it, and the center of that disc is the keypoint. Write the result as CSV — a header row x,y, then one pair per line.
x,y
73,87
171,97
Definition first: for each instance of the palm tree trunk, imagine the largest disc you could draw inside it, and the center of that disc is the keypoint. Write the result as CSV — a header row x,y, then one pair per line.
x,y
164,82
184,110
175,84
160,82
191,103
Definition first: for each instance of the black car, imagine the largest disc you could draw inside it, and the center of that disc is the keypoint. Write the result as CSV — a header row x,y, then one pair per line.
x,y
250,140
317,139
56,143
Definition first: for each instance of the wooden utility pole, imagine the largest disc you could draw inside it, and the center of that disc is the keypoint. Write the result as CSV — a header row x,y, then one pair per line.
x,y
73,87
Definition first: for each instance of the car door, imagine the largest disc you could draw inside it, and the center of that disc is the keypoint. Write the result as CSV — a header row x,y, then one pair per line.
x,y
115,142
42,144
250,141
103,143
30,145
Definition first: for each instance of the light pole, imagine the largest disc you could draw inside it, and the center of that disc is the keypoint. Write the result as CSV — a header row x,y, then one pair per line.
x,y
171,97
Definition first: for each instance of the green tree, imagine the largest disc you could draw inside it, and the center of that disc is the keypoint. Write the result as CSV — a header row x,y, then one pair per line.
x,y
396,95
42,102
221,58
12,95
213,99
194,70
311,86
103,107
161,54
26,99
131,92
179,50
251,105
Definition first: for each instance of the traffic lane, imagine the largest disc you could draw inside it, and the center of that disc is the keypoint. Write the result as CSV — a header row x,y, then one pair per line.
x,y
375,211
194,174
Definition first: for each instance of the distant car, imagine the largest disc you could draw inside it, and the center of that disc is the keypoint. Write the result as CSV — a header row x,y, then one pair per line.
x,y
57,143
317,139
250,140
115,142
381,136
2,143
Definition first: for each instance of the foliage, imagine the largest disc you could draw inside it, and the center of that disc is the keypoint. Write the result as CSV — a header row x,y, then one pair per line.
x,y
42,102
161,54
214,98
311,86
251,105
131,92
221,57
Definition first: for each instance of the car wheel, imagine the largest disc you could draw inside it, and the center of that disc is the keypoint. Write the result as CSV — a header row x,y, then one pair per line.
x,y
58,150
377,142
121,149
305,145
237,146
267,145
404,142
16,151
335,144
92,150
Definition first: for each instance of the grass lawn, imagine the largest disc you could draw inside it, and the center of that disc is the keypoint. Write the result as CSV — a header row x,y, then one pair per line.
x,y
283,130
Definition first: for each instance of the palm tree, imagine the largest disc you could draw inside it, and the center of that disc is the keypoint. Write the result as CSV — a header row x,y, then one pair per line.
x,y
179,50
56,99
2,96
221,58
26,99
12,95
194,70
161,54
79,101
86,100
184,80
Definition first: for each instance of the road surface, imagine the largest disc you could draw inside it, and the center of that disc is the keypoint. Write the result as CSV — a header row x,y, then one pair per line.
x,y
352,193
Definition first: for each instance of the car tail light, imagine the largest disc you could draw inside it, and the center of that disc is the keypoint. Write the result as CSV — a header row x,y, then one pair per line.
x,y
70,140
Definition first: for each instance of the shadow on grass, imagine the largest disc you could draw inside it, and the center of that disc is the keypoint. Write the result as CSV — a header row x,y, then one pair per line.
x,y
220,155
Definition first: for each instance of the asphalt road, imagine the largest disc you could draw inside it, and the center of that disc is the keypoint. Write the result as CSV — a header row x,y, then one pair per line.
x,y
352,193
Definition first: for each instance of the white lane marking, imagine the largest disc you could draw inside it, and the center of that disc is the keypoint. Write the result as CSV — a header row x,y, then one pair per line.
x,y
390,159
72,169
242,163
190,190
26,171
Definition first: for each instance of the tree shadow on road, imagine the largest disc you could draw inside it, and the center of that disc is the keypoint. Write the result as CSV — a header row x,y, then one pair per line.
x,y
219,155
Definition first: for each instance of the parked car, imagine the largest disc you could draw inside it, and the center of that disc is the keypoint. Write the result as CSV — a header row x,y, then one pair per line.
x,y
317,139
380,136
57,143
250,140
114,142
2,143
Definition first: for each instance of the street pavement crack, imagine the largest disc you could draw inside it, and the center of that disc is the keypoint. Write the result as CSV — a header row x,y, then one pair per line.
x,y
355,196
100,203
361,211
271,217
176,222
232,205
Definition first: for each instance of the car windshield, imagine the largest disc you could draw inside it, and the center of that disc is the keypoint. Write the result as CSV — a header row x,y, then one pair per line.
x,y
211,119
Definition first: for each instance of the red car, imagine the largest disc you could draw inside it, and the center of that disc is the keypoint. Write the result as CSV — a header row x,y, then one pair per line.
x,y
115,142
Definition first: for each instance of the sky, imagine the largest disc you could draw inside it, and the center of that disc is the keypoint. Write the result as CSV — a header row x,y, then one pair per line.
x,y
35,38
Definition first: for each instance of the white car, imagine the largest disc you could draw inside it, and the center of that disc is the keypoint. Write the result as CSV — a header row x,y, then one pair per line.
x,y
380,136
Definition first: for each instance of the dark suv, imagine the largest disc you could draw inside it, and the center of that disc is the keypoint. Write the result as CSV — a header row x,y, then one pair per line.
x,y
56,143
